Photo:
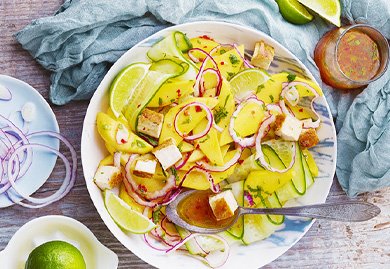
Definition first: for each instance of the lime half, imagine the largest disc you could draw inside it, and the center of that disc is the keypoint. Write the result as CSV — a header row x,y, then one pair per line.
x,y
248,80
55,255
127,218
328,9
124,84
294,12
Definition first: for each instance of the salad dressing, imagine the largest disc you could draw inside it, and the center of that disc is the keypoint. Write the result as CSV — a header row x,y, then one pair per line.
x,y
195,209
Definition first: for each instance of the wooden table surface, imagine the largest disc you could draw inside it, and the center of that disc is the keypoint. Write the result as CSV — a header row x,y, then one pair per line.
x,y
326,245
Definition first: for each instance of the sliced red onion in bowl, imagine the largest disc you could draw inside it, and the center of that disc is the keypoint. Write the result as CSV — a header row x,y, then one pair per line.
x,y
218,76
183,160
209,116
214,187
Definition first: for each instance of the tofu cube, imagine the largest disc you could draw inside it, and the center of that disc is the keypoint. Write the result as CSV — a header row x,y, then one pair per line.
x,y
167,153
145,168
223,205
263,55
150,123
289,129
107,177
308,138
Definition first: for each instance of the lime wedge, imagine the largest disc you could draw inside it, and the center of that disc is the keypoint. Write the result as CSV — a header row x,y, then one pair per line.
x,y
330,10
294,12
124,84
127,218
248,80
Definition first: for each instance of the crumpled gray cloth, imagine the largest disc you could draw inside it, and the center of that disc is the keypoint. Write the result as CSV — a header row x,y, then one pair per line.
x,y
80,42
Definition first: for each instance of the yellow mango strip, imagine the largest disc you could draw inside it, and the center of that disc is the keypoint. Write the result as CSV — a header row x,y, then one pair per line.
x,y
193,118
130,201
230,62
108,128
209,144
196,155
205,44
225,137
109,160
268,181
224,150
185,147
225,108
310,162
170,92
249,119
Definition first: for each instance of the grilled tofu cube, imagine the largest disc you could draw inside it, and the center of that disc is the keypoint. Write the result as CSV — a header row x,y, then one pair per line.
x,y
150,123
263,55
145,168
308,138
288,128
167,153
107,177
223,204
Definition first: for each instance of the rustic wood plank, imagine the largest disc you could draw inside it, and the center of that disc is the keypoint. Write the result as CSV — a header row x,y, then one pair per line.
x,y
326,245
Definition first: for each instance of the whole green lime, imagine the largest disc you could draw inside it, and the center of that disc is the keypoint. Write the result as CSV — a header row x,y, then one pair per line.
x,y
55,255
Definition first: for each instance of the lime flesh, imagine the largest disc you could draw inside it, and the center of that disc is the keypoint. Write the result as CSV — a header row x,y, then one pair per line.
x,y
248,80
124,84
127,218
55,255
328,9
294,12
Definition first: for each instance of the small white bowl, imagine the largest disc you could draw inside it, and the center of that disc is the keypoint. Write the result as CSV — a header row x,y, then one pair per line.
x,y
49,228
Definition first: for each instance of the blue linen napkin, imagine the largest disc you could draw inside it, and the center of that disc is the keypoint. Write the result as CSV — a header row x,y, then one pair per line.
x,y
80,42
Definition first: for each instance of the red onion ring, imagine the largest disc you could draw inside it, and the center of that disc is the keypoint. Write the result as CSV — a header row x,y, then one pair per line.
x,y
306,124
170,184
197,87
219,81
209,116
226,166
243,141
69,180
259,153
246,63
183,160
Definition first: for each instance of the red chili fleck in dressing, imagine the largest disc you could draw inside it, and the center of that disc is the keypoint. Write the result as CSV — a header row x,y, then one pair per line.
x,y
123,141
178,93
240,161
358,56
142,188
222,63
301,110
205,47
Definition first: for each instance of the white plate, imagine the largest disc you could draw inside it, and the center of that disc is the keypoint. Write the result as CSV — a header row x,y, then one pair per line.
x,y
49,228
257,254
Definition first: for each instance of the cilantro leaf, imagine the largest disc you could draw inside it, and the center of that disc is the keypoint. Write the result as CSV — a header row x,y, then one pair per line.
x,y
291,77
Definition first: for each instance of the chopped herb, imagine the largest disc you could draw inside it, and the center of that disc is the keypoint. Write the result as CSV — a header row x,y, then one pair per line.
x,y
186,121
197,41
180,145
163,171
219,114
257,192
174,173
259,88
271,97
140,144
222,51
226,99
230,75
173,100
204,140
233,59
160,101
291,77
156,215
106,127
264,107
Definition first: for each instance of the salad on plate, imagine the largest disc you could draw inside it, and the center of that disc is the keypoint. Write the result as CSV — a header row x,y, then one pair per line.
x,y
207,116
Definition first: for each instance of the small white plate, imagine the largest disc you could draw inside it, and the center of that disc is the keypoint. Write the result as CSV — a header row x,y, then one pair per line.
x,y
49,228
